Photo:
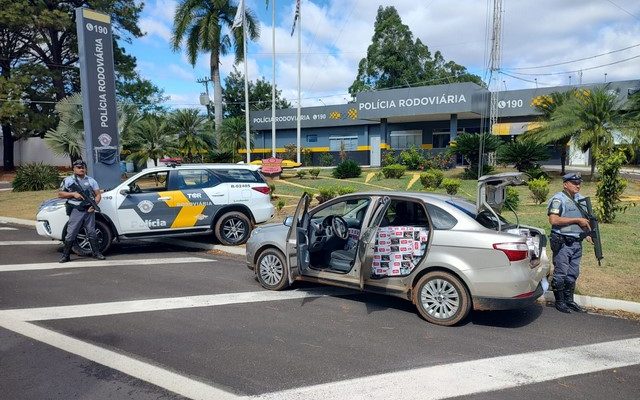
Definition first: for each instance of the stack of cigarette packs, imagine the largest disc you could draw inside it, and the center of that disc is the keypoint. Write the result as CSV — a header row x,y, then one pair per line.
x,y
398,250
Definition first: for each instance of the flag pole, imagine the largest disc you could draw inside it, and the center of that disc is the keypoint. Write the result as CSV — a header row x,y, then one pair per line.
x,y
273,87
246,85
299,80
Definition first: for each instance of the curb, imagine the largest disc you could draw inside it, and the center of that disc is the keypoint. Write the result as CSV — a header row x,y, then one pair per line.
x,y
584,301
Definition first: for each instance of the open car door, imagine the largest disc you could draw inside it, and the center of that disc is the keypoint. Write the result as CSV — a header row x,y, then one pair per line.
x,y
492,192
367,242
298,257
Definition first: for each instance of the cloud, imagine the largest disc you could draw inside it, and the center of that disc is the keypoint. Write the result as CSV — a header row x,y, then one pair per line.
x,y
155,28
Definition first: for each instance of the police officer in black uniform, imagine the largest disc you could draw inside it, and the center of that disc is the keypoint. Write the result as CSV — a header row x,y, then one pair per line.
x,y
568,226
82,213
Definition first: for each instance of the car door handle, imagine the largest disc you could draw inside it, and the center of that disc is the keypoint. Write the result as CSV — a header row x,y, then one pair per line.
x,y
164,198
217,194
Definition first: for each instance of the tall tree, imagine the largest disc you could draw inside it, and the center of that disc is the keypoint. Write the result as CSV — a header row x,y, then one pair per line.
x,y
233,137
151,138
191,128
68,137
545,133
206,27
259,95
395,60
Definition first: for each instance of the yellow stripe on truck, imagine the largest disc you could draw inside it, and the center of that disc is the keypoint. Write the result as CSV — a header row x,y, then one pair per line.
x,y
188,215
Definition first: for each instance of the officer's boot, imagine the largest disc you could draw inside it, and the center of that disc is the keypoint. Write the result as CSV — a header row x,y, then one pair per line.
x,y
561,306
95,249
66,252
569,289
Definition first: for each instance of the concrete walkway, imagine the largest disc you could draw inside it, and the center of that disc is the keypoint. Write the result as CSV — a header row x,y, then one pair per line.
x,y
585,301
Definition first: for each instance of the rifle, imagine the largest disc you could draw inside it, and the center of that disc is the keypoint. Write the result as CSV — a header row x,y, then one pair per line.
x,y
87,197
595,228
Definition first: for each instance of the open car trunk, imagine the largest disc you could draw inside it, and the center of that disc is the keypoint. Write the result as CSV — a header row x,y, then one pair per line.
x,y
492,194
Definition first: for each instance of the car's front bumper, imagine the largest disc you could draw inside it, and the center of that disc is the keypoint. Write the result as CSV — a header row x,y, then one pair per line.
x,y
492,303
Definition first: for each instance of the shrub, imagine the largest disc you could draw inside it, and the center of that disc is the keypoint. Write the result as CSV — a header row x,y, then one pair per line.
x,y
307,156
441,161
537,172
611,186
513,198
342,190
272,192
523,154
394,171
432,179
314,172
539,190
412,158
36,176
326,159
301,173
471,172
290,152
325,193
280,205
388,157
347,169
451,185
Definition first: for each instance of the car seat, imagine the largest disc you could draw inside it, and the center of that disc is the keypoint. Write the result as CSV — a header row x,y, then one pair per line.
x,y
342,260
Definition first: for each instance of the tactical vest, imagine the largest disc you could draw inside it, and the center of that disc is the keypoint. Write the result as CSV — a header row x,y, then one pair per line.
x,y
569,210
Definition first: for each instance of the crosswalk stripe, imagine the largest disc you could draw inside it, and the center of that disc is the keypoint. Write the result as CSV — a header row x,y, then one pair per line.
x,y
169,380
27,242
477,376
105,263
7,228
171,303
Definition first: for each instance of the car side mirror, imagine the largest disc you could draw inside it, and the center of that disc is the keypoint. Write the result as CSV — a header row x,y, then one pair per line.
x,y
125,191
288,221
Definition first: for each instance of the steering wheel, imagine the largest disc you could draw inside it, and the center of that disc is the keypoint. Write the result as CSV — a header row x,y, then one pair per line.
x,y
340,227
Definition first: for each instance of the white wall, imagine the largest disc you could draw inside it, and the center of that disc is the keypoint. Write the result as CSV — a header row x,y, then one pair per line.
x,y
34,150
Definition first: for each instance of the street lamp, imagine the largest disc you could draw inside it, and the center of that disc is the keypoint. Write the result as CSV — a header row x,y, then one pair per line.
x,y
320,100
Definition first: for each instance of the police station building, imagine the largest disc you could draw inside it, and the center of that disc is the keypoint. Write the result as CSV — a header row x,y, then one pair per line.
x,y
428,117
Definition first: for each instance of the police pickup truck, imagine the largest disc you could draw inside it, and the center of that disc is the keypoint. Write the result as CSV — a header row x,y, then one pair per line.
x,y
226,199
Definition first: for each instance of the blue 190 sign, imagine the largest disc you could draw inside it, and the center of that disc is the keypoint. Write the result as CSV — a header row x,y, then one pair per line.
x,y
97,77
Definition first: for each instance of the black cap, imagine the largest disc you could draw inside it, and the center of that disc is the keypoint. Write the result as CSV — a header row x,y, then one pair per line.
x,y
572,176
79,163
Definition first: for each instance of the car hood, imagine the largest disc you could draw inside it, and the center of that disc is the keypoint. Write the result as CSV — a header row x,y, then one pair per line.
x,y
51,202
270,231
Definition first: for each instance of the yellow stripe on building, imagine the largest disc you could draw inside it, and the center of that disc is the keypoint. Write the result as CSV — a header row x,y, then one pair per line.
x,y
503,128
188,215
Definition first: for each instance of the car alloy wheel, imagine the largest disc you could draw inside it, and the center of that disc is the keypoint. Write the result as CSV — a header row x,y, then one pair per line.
x,y
233,228
441,298
271,270
82,247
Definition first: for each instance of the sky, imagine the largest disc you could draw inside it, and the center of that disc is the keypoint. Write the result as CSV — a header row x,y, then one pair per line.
x,y
544,43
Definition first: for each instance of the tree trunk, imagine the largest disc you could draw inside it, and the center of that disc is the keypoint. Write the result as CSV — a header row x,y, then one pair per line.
x,y
593,165
563,158
217,92
7,150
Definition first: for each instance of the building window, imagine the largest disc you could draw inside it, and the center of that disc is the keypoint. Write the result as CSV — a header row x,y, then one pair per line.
x,y
312,138
336,143
441,139
406,139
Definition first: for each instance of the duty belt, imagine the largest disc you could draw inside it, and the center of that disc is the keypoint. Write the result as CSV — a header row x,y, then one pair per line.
x,y
568,240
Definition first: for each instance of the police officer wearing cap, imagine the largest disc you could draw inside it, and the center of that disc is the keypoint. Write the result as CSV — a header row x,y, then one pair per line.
x,y
568,225
82,213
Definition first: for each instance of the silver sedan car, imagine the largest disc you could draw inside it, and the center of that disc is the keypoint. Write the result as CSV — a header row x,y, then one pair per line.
x,y
443,253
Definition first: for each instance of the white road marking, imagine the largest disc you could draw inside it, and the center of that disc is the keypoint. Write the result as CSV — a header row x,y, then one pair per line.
x,y
180,384
105,263
27,242
171,303
477,376
7,228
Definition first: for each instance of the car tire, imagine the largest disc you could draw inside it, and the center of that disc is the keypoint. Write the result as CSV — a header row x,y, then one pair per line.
x,y
271,270
104,235
441,298
233,228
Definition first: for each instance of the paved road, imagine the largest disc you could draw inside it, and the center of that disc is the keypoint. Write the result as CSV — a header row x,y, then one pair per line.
x,y
157,321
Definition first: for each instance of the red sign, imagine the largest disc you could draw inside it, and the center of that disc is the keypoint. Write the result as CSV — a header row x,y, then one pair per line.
x,y
272,166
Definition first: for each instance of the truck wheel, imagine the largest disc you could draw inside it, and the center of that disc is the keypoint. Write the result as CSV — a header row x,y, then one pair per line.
x,y
233,228
104,235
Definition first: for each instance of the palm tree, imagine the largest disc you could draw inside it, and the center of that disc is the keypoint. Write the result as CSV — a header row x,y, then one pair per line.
x,y
150,138
206,27
545,134
191,129
68,137
232,136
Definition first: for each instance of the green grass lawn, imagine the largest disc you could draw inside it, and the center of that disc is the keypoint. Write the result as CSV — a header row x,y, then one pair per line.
x,y
618,277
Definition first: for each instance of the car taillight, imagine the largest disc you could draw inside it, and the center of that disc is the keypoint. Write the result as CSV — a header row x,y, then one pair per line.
x,y
262,189
514,251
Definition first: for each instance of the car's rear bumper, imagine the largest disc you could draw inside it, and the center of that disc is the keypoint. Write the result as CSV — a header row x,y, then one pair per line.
x,y
263,212
492,303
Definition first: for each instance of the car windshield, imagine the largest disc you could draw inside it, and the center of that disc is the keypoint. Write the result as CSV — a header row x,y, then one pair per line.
x,y
484,218
354,208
